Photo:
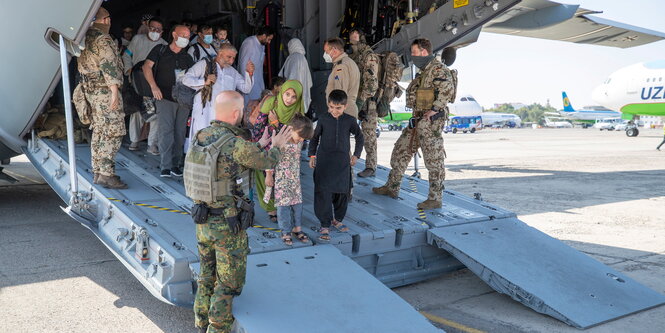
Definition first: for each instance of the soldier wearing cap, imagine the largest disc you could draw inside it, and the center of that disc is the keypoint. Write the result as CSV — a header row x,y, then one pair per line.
x,y
101,72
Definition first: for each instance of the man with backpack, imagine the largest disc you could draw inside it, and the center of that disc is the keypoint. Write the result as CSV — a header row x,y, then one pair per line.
x,y
428,96
202,48
165,65
209,79
138,49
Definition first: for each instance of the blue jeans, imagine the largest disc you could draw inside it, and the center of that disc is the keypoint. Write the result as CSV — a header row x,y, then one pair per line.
x,y
289,217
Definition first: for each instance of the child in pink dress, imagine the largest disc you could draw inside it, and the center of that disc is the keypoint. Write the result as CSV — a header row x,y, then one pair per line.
x,y
288,193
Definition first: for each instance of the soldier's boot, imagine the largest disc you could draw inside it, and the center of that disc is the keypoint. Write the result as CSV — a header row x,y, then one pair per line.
x,y
385,190
429,204
366,173
203,329
112,182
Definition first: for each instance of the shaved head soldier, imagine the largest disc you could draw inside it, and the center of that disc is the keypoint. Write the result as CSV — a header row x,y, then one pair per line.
x,y
224,213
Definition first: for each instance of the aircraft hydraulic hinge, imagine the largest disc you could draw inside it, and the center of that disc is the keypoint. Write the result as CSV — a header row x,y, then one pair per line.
x,y
142,248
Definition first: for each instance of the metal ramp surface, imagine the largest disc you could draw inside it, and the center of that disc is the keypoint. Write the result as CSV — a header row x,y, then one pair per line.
x,y
317,289
543,273
390,239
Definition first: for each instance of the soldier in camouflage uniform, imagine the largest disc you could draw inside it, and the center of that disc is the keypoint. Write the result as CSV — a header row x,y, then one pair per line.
x,y
368,63
101,79
223,251
428,96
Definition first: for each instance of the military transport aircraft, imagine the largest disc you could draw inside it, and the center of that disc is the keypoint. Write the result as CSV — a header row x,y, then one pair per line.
x,y
390,243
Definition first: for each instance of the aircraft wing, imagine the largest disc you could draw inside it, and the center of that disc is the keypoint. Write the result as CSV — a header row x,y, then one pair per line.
x,y
570,23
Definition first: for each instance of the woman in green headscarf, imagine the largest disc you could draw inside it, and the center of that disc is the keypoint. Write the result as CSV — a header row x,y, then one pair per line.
x,y
275,113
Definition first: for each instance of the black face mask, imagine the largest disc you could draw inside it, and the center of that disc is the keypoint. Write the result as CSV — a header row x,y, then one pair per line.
x,y
422,61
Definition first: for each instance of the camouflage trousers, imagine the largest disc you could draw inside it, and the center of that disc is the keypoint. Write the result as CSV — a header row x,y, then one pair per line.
x,y
428,137
223,257
369,125
108,128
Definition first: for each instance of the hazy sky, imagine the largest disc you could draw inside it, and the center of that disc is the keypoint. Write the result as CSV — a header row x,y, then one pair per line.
x,y
501,68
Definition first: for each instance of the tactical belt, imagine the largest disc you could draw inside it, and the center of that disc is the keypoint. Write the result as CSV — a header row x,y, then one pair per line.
x,y
216,211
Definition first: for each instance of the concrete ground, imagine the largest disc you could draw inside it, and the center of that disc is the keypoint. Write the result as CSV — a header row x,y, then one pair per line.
x,y
600,192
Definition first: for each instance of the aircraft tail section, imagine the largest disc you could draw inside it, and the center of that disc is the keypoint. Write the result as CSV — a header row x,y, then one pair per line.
x,y
566,103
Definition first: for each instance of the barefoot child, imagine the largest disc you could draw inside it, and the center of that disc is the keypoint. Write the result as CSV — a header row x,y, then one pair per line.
x,y
329,152
288,194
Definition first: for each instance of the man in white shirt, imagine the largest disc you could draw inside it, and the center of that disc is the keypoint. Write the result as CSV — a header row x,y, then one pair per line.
x,y
202,48
253,49
227,78
136,52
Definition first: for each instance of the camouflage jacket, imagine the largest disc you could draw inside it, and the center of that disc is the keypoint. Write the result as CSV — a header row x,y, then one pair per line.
x,y
236,156
368,63
435,76
100,64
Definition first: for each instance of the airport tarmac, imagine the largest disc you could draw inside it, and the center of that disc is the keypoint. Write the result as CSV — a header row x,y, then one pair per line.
x,y
600,192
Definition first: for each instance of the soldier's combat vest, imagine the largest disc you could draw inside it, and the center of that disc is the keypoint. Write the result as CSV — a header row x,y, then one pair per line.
x,y
200,175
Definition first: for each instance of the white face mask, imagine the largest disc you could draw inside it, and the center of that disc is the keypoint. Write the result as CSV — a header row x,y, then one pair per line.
x,y
327,57
182,42
154,36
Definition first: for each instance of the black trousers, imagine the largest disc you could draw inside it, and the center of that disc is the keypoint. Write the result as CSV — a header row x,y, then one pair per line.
x,y
663,142
327,203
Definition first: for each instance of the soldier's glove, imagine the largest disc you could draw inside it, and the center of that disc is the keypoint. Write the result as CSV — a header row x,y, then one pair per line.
x,y
234,224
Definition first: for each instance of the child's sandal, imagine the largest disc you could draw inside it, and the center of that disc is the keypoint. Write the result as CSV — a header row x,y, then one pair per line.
x,y
300,236
286,238
324,234
340,226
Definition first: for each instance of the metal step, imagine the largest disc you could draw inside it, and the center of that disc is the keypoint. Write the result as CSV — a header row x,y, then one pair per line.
x,y
543,273
318,289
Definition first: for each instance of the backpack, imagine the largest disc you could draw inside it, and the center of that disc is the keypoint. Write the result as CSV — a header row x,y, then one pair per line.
x,y
137,76
453,73
390,72
184,95
197,52
200,174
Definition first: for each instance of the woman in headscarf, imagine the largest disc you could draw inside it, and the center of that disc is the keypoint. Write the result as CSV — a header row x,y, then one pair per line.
x,y
275,113
296,68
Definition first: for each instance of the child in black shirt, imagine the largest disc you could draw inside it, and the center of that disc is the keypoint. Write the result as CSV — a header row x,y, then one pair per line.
x,y
329,152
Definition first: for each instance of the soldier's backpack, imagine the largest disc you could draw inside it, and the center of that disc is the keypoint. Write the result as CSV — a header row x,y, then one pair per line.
x,y
390,72
200,174
453,73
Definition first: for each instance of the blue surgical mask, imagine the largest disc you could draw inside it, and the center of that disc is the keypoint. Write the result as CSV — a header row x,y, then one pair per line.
x,y
207,39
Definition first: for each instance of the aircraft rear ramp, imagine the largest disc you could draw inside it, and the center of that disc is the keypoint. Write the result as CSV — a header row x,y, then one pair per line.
x,y
543,273
149,229
339,296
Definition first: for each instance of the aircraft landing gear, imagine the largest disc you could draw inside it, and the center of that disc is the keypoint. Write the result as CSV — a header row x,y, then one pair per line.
x,y
632,132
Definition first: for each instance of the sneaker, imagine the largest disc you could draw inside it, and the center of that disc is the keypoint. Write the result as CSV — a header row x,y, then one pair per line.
x,y
176,172
134,146
166,173
153,150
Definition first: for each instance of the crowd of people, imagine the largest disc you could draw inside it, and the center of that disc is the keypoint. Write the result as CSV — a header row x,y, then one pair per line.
x,y
257,132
